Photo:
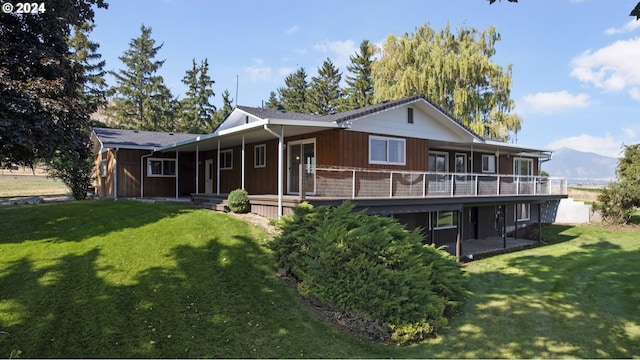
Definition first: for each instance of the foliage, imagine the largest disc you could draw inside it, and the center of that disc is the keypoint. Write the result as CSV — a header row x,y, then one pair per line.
x,y
273,103
455,71
359,90
43,111
238,201
294,96
370,265
196,111
226,109
76,170
324,95
618,200
141,100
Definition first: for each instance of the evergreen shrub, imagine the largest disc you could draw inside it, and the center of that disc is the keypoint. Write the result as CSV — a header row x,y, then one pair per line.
x,y
238,201
370,266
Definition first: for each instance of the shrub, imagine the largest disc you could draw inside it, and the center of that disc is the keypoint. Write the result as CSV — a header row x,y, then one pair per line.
x,y
238,201
371,266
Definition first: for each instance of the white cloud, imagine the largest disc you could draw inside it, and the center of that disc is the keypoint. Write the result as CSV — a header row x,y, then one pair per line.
x,y
626,28
629,132
258,71
341,51
635,93
552,102
612,68
292,30
284,71
604,145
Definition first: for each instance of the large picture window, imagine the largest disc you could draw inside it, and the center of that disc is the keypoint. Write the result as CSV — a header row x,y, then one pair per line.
x,y
226,159
384,150
161,167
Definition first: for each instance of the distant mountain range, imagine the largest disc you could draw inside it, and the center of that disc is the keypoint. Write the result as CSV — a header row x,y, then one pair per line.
x,y
581,167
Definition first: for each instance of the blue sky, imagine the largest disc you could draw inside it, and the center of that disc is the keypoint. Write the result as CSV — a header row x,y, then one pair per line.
x,y
576,63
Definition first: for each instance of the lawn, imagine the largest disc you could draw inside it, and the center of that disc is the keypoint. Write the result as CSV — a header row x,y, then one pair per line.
x,y
109,279
23,183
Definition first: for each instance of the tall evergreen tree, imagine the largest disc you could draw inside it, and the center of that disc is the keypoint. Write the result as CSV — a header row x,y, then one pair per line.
x,y
294,95
324,90
455,71
43,112
222,113
196,110
273,103
359,91
141,101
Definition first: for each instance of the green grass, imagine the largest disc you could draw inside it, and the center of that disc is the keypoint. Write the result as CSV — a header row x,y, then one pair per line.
x,y
21,184
127,279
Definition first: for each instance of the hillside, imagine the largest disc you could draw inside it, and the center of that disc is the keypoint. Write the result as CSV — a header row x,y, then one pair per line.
x,y
581,167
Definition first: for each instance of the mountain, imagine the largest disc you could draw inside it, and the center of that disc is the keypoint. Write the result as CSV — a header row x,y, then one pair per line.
x,y
581,167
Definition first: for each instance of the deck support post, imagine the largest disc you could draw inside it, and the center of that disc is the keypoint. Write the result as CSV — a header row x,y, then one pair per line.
x,y
504,226
459,237
540,223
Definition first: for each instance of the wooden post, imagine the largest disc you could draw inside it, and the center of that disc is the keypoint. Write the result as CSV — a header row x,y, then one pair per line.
x,y
504,226
459,238
539,223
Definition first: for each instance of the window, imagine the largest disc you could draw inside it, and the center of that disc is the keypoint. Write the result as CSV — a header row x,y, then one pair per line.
x,y
103,168
386,150
523,212
438,162
259,158
410,115
461,163
488,163
161,167
446,219
226,159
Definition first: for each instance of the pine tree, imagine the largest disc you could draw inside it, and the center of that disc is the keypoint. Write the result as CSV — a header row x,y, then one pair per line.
x,y
294,96
142,101
324,90
455,71
196,110
273,103
226,109
84,51
359,91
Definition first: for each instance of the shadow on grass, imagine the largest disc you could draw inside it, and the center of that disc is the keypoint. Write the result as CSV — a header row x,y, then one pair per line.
x,y
580,304
220,300
77,221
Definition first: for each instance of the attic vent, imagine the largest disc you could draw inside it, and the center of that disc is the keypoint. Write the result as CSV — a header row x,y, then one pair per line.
x,y
246,119
170,133
136,131
410,115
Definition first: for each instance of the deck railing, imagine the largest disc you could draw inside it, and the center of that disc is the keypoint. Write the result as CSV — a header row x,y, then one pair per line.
x,y
364,183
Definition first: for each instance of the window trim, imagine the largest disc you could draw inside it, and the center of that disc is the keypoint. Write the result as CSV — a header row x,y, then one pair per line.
x,y
454,222
161,160
446,160
403,141
528,211
224,166
489,170
256,157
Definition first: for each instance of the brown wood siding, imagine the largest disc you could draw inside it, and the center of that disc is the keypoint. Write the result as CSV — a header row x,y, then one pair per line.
x,y
262,180
230,179
354,152
104,185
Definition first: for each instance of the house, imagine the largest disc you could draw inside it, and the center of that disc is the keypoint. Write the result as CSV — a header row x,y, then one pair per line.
x,y
405,158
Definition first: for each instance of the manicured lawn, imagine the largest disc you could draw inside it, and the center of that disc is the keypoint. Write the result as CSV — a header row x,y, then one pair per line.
x,y
128,279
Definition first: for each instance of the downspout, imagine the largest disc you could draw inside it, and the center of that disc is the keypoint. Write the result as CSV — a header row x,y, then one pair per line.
x,y
115,174
142,172
280,164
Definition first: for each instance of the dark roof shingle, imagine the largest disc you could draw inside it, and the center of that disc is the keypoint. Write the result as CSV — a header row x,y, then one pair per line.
x,y
139,138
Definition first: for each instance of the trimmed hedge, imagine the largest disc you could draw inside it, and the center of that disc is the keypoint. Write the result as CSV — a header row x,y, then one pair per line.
x,y
370,266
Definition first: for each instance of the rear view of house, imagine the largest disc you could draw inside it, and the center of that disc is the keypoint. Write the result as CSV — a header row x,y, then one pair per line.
x,y
405,158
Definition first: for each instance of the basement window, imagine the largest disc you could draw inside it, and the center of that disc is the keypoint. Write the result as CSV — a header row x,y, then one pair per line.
x,y
446,220
161,168
523,212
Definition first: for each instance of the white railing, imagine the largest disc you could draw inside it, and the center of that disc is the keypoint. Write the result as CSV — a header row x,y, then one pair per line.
x,y
364,183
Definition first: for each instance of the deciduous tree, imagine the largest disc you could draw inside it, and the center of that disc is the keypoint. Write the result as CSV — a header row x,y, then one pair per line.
x,y
619,199
455,71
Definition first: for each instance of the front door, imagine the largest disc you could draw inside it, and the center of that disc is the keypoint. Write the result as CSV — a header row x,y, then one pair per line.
x,y
302,152
208,182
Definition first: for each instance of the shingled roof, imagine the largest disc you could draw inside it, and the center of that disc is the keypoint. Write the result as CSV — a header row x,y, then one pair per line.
x,y
263,113
138,139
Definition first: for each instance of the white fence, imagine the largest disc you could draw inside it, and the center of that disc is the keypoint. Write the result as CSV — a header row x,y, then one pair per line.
x,y
362,183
